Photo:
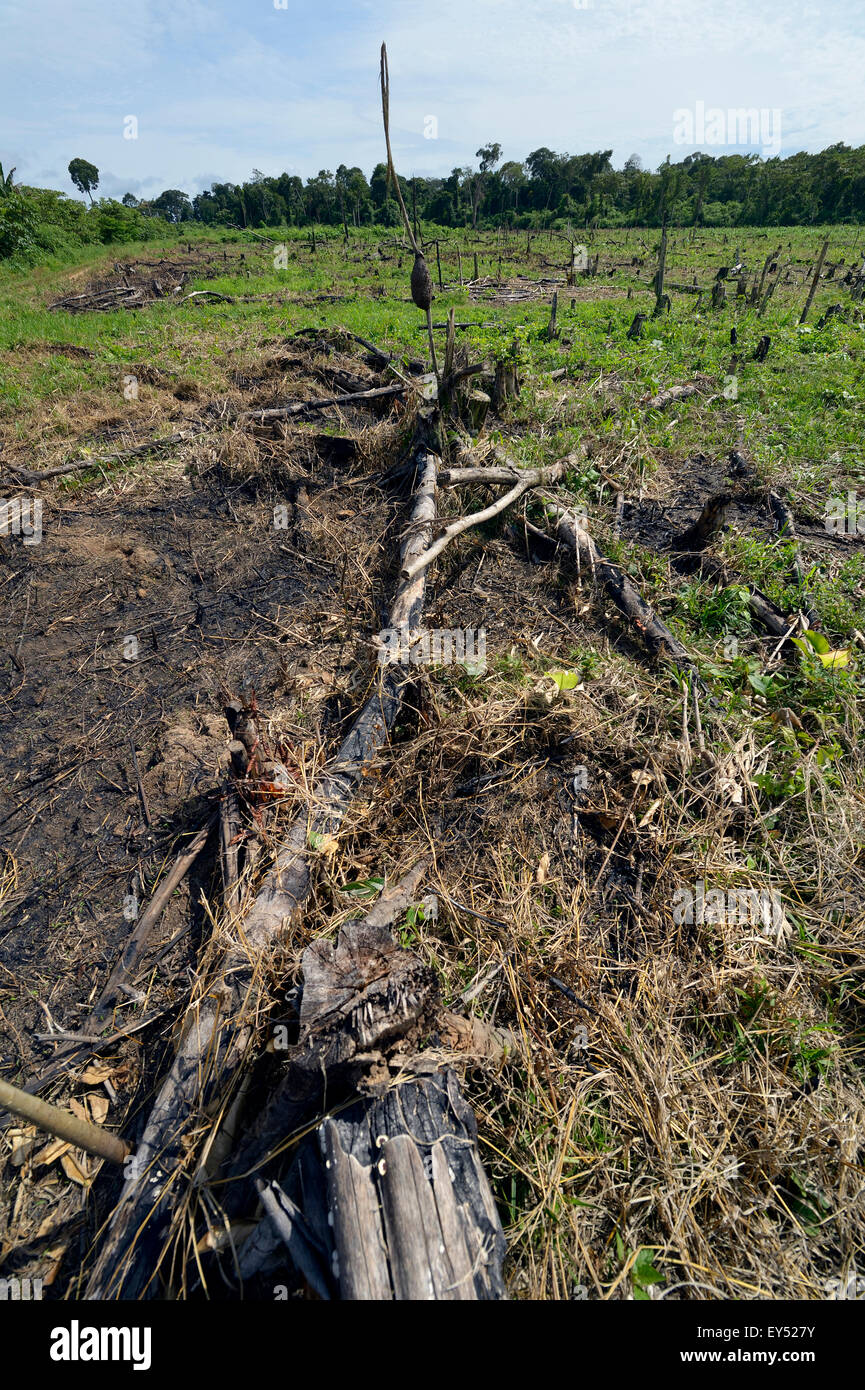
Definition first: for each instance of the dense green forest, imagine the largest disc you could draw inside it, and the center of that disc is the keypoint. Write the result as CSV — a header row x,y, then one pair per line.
x,y
730,190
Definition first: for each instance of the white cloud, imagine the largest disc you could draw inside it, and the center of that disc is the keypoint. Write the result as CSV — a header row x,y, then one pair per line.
x,y
224,86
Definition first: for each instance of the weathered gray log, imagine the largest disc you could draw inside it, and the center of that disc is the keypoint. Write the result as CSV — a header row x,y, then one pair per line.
x,y
219,1023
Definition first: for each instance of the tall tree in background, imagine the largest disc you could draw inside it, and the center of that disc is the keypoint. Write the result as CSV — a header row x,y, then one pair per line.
x,y
84,175
489,156
514,179
174,205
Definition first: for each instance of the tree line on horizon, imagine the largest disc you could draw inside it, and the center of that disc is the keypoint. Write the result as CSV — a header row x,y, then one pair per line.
x,y
701,189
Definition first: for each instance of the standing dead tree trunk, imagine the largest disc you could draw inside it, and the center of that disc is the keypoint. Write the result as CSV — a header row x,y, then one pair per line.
x,y
220,1022
661,300
815,280
552,329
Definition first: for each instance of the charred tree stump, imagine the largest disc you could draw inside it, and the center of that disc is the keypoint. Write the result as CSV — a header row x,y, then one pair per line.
x,y
507,384
389,1199
761,351
475,407
413,1215
707,525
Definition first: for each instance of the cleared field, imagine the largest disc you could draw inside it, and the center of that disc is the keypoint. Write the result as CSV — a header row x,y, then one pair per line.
x,y
683,1115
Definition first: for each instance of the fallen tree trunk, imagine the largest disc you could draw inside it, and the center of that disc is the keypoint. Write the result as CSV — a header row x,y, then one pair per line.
x,y
220,1022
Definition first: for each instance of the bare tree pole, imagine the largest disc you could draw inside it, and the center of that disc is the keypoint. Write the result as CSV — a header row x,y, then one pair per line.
x,y
421,283
818,267
659,274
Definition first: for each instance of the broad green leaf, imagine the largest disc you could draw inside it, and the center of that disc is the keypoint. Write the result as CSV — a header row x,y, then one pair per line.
x,y
816,641
644,1271
834,659
565,680
762,684
364,887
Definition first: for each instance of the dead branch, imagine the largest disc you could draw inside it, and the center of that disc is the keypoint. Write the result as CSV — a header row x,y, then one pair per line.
x,y
282,412
526,480
154,446
697,387
62,1124
654,632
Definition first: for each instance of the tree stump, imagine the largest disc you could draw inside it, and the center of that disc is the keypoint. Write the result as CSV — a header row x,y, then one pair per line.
x,y
474,408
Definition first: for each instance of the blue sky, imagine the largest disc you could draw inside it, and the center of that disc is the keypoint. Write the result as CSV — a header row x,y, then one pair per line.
x,y
222,86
